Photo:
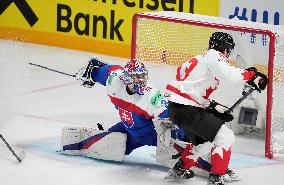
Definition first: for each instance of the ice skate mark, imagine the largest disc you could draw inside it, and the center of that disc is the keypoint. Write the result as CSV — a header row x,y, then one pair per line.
x,y
259,165
38,90
46,89
51,119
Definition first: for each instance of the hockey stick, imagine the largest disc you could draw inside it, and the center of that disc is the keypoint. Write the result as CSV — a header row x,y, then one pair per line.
x,y
51,69
245,95
241,63
227,116
19,157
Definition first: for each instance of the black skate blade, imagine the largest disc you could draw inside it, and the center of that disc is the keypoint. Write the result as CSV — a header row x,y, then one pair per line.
x,y
232,180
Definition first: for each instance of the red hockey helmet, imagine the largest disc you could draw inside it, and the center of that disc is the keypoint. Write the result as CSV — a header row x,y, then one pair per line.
x,y
136,76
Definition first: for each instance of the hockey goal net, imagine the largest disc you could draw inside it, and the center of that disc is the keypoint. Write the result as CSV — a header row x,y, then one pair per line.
x,y
164,40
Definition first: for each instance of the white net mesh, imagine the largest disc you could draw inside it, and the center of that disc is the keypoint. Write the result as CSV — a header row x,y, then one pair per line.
x,y
164,40
277,122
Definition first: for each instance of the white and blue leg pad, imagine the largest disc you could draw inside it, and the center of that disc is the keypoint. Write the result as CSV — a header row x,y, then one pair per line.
x,y
93,143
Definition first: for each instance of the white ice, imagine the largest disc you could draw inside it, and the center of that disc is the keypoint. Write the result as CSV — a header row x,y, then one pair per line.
x,y
35,104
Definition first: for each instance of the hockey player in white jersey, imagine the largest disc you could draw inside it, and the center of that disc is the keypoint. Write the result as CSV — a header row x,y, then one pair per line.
x,y
201,118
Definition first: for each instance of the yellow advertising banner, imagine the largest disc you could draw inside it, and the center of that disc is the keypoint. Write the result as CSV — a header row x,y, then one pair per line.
x,y
101,26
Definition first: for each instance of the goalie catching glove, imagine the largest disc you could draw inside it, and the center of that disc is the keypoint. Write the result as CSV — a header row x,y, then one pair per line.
x,y
259,80
85,74
220,111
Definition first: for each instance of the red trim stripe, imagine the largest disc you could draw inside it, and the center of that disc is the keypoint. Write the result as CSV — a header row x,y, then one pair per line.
x,y
114,68
178,92
130,107
87,145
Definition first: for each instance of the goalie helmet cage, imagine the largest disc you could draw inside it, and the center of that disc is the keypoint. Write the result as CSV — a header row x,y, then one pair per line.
x,y
171,38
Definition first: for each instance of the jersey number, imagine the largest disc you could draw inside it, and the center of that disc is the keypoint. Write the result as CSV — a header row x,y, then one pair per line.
x,y
192,63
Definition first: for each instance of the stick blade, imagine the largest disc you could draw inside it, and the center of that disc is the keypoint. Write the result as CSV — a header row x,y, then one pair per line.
x,y
241,62
21,156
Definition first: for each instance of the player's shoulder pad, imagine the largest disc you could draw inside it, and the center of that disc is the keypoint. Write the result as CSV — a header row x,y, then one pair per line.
x,y
213,55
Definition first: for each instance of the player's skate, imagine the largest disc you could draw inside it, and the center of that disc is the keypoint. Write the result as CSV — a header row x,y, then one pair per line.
x,y
178,172
215,179
231,176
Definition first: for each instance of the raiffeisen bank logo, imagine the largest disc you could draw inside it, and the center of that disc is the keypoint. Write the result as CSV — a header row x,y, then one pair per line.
x,y
23,7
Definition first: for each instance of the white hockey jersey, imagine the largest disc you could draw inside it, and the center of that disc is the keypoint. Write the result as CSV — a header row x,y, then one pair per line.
x,y
201,75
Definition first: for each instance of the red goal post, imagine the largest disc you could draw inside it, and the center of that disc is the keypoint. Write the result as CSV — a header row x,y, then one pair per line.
x,y
171,38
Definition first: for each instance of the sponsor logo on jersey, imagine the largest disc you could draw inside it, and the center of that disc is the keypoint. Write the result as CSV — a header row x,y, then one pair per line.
x,y
156,99
111,77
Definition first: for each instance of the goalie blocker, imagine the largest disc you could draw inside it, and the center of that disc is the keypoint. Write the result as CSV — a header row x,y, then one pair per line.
x,y
93,143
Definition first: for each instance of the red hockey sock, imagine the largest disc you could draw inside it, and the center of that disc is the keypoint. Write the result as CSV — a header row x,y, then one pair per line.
x,y
185,156
220,159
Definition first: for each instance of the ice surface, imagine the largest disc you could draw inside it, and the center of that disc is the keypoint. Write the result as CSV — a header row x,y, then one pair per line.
x,y
35,104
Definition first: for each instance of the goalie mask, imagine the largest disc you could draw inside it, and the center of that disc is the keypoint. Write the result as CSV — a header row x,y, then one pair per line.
x,y
135,76
221,41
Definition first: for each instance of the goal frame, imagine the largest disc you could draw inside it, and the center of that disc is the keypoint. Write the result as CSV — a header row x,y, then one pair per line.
x,y
268,151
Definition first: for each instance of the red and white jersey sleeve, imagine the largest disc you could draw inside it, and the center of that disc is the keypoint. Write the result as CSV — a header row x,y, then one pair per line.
x,y
201,75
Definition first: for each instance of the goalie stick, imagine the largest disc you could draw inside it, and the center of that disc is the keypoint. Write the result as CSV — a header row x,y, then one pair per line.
x,y
54,70
19,157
